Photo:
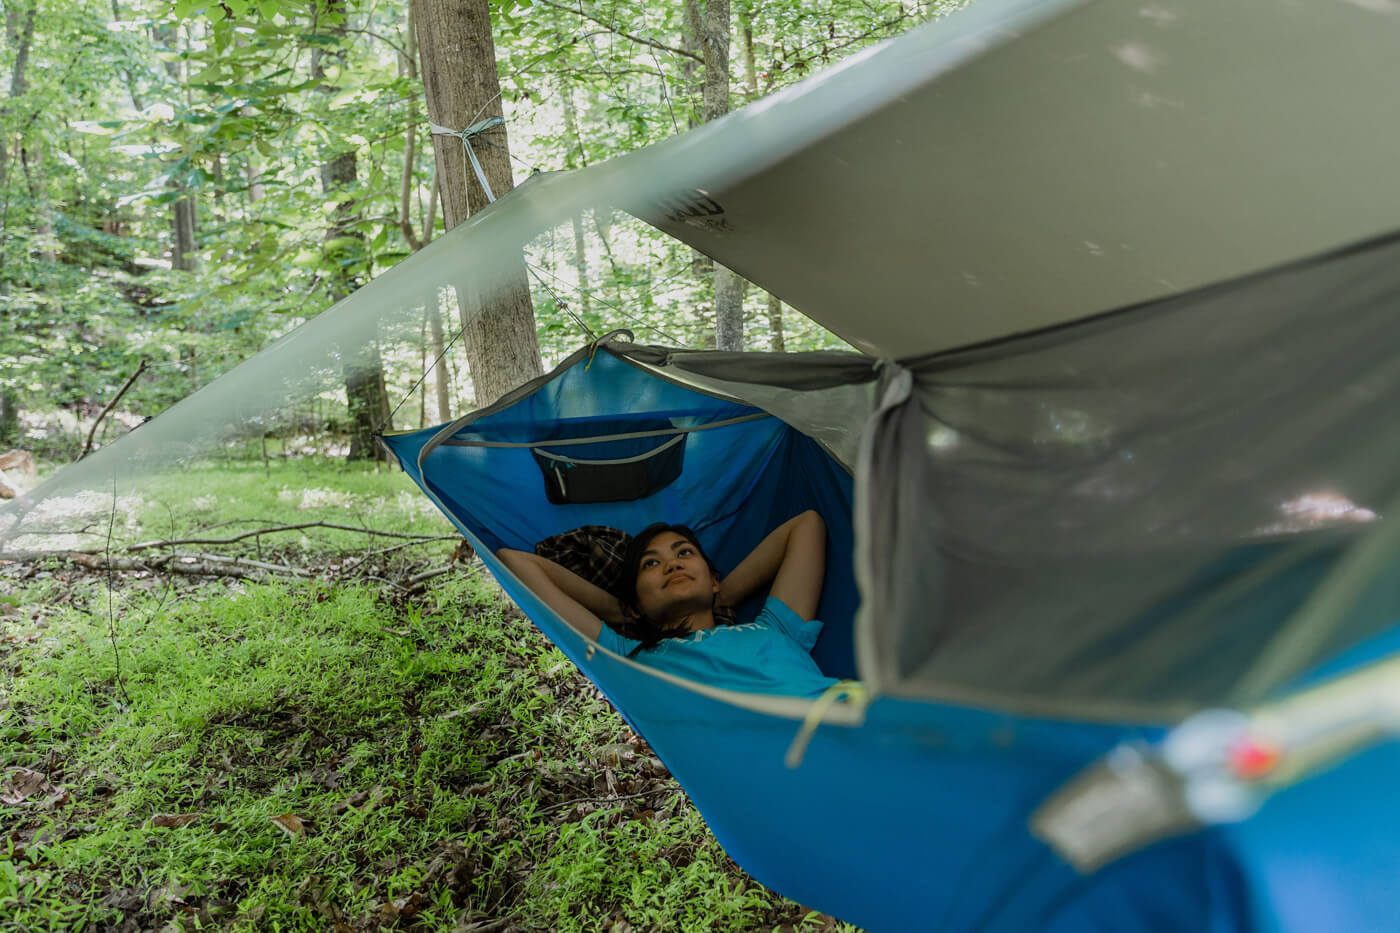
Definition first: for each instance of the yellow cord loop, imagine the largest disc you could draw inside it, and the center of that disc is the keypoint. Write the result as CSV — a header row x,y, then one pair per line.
x,y
849,691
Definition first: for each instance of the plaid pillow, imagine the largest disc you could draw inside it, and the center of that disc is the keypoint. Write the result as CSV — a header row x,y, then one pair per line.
x,y
595,552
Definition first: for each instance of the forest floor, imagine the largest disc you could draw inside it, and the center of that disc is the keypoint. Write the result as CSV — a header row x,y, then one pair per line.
x,y
375,739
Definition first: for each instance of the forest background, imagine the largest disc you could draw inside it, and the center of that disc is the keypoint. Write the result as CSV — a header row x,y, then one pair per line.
x,y
181,184
270,690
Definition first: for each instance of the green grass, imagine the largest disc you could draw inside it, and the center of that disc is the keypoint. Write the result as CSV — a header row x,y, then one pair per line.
x,y
447,765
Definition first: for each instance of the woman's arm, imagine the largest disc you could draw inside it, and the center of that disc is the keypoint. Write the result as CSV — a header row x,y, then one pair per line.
x,y
793,556
580,603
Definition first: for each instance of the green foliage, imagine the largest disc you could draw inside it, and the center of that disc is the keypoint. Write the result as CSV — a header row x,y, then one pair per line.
x,y
135,109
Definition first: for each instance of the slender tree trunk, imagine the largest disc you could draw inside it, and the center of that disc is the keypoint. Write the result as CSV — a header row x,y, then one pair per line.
x,y
776,341
19,33
729,287
408,67
31,159
183,216
441,374
190,360
423,368
576,158
183,224
462,87
750,69
220,217
692,40
126,72
368,399
253,176
366,396
9,417
585,303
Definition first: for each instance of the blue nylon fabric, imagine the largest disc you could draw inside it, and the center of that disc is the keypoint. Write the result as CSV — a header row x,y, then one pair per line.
x,y
1322,855
918,819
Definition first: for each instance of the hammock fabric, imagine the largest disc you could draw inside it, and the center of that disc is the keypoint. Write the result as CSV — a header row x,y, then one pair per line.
x,y
925,815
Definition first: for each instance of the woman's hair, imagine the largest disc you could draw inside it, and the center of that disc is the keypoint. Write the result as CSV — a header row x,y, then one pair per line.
x,y
639,627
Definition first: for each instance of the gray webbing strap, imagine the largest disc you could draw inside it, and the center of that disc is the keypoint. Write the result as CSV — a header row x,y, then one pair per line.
x,y
476,129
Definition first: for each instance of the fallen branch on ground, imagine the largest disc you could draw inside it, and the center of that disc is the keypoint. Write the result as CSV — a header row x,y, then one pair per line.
x,y
211,565
146,545
205,565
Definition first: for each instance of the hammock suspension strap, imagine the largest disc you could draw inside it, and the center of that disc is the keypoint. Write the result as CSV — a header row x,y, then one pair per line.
x,y
466,136
847,691
379,429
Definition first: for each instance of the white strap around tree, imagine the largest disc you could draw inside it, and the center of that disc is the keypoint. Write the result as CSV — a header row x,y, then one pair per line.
x,y
476,129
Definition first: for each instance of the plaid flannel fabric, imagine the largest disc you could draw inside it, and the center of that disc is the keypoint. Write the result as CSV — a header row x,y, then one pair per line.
x,y
595,552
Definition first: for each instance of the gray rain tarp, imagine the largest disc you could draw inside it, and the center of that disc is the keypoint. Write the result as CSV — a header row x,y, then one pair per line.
x,y
1134,508
1021,164
1130,515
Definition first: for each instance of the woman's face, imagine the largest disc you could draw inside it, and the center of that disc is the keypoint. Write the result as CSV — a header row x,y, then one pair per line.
x,y
673,579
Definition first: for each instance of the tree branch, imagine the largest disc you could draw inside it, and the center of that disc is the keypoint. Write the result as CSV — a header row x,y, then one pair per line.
x,y
626,35
146,545
201,565
385,39
87,448
406,189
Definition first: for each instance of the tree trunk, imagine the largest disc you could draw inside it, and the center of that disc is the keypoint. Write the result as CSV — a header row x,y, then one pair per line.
x,y
366,396
750,69
692,40
9,417
183,217
183,229
368,407
441,375
19,33
460,81
253,177
31,160
776,341
576,158
729,287
136,103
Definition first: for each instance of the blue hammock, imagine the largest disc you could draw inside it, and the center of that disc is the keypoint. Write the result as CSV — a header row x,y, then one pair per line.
x,y
921,816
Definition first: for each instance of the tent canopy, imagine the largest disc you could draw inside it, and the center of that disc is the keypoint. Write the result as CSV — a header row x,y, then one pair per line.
x,y
1028,163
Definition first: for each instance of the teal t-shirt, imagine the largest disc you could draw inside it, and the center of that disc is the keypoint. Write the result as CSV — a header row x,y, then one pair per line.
x,y
771,654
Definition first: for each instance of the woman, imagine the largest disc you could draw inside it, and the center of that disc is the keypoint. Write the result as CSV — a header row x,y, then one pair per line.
x,y
669,593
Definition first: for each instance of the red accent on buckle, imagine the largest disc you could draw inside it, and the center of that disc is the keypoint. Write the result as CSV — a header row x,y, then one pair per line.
x,y
1251,759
